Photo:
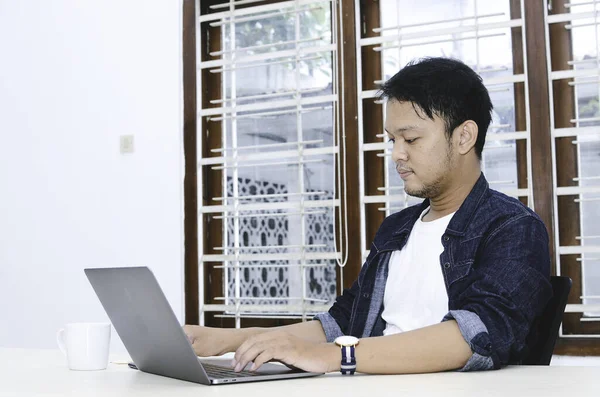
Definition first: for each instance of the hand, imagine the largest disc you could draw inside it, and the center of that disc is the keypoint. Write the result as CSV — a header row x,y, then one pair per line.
x,y
208,341
288,349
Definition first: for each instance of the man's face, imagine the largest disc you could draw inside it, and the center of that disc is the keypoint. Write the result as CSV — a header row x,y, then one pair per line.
x,y
422,153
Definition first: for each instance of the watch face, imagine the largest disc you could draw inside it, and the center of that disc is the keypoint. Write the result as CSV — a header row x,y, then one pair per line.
x,y
346,341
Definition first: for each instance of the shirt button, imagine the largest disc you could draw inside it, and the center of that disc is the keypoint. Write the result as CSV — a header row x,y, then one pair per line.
x,y
365,295
447,265
446,238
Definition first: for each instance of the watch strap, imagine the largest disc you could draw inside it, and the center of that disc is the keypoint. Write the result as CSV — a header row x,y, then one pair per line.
x,y
348,360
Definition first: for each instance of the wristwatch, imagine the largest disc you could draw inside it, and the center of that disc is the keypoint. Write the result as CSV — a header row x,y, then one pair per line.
x,y
347,343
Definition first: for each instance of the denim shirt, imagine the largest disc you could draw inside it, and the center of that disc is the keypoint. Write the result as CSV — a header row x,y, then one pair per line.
x,y
496,268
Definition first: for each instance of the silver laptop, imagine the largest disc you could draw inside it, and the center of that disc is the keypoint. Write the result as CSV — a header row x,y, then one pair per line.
x,y
142,317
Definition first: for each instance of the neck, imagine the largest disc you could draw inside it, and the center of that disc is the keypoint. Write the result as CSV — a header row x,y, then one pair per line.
x,y
453,197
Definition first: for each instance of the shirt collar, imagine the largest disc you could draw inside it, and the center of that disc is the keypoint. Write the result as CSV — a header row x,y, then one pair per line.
x,y
460,220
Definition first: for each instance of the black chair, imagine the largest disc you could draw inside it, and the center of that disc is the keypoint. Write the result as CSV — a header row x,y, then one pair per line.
x,y
543,336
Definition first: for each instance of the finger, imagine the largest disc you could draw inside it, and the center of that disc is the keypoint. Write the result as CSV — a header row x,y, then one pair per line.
x,y
238,353
250,355
261,359
247,357
248,343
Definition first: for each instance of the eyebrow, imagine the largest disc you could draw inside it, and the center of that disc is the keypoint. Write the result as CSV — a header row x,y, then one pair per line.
x,y
402,129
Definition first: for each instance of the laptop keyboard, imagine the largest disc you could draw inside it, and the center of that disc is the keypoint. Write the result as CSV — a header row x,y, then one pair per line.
x,y
218,372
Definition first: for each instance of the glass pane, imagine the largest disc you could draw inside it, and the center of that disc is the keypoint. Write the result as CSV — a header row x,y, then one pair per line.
x,y
589,176
272,35
424,32
265,167
584,44
503,115
260,133
583,34
590,219
320,277
587,102
578,6
269,231
589,173
589,160
317,125
319,178
434,28
499,159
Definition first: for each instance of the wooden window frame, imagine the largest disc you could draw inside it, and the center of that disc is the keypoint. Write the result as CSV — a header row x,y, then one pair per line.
x,y
540,146
568,222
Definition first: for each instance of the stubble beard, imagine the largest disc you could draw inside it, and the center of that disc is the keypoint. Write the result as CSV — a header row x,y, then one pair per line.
x,y
432,189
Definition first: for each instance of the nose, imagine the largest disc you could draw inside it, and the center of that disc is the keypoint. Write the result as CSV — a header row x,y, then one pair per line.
x,y
399,152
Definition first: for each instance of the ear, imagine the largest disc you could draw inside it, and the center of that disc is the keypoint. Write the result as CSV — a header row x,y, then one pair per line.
x,y
466,134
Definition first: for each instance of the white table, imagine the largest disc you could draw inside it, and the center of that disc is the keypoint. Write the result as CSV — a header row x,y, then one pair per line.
x,y
25,372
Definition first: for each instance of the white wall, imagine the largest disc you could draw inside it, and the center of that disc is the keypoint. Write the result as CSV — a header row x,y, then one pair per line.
x,y
74,76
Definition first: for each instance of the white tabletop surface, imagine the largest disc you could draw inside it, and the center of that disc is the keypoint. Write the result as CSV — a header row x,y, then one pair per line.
x,y
28,372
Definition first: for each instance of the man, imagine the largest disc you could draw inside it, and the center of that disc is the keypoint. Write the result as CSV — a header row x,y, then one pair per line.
x,y
454,283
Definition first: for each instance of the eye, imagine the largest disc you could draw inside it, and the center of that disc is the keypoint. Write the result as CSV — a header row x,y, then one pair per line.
x,y
410,141
391,140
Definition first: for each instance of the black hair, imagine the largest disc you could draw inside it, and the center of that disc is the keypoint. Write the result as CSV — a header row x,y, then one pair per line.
x,y
446,88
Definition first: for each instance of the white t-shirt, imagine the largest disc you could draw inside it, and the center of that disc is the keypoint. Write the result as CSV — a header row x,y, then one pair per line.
x,y
415,293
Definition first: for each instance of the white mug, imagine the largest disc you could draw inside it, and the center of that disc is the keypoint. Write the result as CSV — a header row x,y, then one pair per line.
x,y
85,345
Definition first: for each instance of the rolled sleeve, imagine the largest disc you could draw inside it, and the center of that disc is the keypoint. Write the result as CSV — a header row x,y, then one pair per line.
x,y
476,335
502,295
330,326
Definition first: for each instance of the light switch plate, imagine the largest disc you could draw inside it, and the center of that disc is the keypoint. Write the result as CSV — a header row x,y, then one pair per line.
x,y
126,144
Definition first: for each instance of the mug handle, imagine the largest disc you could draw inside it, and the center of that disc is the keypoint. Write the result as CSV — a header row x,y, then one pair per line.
x,y
60,340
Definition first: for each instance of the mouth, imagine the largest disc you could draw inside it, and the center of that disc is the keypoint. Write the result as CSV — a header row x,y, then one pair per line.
x,y
404,173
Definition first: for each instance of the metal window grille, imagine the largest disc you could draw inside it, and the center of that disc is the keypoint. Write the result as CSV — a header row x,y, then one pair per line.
x,y
277,112
584,75
465,30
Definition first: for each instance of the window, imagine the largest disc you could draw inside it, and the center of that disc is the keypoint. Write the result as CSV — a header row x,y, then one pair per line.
x,y
276,202
573,79
286,96
484,36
